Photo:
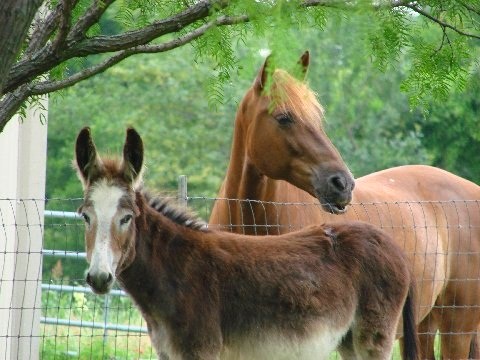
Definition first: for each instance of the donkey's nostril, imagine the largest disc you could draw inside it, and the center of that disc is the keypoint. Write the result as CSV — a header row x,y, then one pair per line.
x,y
104,278
339,182
99,281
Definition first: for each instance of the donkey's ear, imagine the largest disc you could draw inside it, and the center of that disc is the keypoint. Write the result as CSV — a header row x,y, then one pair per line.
x,y
133,155
87,163
262,76
303,63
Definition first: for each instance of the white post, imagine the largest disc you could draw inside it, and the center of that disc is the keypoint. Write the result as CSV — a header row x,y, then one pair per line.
x,y
23,157
182,196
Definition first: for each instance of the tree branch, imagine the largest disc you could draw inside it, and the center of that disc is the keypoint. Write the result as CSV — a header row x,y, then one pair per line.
x,y
67,7
344,5
440,22
469,8
45,59
327,3
444,38
50,86
193,21
10,104
44,26
103,44
91,17
16,15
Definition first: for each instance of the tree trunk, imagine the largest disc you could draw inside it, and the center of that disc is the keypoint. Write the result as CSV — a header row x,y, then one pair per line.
x,y
16,15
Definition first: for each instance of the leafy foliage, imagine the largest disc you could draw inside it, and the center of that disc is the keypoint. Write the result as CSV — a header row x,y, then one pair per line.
x,y
389,35
166,99
452,131
119,29
171,112
436,71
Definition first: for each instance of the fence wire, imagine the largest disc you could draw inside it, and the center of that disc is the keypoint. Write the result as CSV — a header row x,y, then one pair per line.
x,y
48,312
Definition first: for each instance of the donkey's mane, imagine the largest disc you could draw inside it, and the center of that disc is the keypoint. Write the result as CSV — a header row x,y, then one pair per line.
x,y
295,96
168,207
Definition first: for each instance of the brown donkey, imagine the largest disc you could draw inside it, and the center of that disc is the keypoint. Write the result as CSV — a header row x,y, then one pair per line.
x,y
208,294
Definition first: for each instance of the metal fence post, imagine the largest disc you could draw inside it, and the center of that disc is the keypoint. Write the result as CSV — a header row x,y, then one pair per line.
x,y
106,307
182,191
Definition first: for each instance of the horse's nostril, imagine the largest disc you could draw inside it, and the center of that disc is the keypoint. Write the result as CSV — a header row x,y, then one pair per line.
x,y
88,279
339,182
110,278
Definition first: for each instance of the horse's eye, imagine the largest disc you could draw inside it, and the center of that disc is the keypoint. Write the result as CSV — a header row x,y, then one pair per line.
x,y
125,219
284,119
86,218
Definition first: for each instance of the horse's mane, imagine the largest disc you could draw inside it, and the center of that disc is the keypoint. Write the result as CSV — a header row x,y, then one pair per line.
x,y
168,207
295,96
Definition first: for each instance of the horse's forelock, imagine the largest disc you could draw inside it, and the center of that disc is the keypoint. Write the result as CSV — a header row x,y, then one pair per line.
x,y
290,94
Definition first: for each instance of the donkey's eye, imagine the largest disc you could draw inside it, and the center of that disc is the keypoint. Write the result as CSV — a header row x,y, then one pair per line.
x,y
86,218
125,219
284,119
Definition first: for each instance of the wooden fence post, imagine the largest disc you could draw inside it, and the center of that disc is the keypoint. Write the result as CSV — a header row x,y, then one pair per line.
x,y
182,191
23,146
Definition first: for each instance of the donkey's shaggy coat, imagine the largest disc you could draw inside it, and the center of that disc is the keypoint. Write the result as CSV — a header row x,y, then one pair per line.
x,y
209,294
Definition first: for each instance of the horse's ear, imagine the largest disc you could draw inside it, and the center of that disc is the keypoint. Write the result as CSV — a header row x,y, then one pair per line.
x,y
87,162
262,76
304,62
133,155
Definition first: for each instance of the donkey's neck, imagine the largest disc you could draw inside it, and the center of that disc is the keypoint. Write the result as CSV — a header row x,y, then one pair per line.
x,y
157,271
154,236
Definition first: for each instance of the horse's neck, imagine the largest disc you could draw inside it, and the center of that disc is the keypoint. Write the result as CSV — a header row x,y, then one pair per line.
x,y
244,182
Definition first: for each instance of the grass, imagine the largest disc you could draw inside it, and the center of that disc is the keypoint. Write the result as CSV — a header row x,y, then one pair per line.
x,y
82,343
68,342
73,342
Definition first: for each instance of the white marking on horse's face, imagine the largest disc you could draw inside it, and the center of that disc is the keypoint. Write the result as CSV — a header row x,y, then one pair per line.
x,y
107,219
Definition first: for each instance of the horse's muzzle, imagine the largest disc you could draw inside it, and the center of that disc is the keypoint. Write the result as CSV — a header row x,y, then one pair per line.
x,y
334,191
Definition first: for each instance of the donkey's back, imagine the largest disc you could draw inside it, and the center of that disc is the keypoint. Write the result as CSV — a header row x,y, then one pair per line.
x,y
300,295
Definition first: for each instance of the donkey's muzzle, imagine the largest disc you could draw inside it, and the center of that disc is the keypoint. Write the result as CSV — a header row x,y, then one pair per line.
x,y
100,283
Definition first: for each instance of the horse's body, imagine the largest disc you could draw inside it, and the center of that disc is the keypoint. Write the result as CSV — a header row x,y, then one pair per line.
x,y
207,294
422,207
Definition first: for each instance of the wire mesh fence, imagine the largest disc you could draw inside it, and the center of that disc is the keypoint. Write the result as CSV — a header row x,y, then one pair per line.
x,y
47,311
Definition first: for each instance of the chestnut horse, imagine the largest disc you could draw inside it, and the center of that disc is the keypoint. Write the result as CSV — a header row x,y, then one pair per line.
x,y
208,294
281,154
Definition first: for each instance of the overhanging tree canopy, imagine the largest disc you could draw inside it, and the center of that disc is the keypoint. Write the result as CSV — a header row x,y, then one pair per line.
x,y
42,37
